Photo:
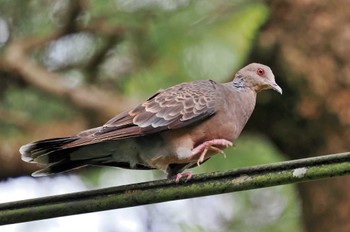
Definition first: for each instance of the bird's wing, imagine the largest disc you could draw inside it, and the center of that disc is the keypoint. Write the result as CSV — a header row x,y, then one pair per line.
x,y
175,107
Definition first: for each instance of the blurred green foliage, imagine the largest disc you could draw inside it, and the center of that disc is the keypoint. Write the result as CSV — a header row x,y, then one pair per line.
x,y
37,105
196,43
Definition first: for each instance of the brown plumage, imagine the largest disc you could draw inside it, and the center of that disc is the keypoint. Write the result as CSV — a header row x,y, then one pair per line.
x,y
177,128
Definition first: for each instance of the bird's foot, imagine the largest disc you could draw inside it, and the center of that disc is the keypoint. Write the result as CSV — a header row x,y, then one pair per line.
x,y
203,148
178,176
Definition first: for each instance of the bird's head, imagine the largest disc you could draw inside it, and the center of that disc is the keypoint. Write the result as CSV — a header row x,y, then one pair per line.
x,y
257,77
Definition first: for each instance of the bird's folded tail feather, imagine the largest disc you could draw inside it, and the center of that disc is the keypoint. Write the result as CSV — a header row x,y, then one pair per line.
x,y
59,167
52,154
57,155
37,151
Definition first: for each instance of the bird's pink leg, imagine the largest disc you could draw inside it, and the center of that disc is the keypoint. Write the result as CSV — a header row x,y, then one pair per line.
x,y
178,176
203,148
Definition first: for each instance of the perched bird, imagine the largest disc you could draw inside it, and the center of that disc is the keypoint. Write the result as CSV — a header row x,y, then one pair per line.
x,y
175,129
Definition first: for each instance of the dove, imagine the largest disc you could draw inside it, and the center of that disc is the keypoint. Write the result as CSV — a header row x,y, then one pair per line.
x,y
175,129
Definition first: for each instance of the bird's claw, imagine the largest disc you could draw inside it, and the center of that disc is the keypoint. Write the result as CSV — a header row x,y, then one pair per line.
x,y
178,176
210,145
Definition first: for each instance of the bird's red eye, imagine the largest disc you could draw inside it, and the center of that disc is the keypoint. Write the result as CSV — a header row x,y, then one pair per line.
x,y
260,71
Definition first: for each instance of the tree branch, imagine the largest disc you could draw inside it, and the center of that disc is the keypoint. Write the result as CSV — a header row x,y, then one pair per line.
x,y
16,58
166,190
85,96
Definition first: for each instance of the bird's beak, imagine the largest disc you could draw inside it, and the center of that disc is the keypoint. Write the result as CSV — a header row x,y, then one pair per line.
x,y
276,87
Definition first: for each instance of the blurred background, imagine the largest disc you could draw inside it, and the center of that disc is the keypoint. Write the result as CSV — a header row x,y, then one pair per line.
x,y
67,65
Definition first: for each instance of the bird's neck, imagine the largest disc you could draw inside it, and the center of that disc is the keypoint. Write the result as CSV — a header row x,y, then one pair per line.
x,y
239,106
244,83
238,82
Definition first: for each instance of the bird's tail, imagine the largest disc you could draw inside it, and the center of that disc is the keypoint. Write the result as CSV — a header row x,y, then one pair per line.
x,y
52,154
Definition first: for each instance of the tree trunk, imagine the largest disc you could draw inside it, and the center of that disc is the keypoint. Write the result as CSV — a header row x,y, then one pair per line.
x,y
307,45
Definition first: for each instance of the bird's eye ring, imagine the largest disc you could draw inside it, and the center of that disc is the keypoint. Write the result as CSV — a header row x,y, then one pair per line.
x,y
260,71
